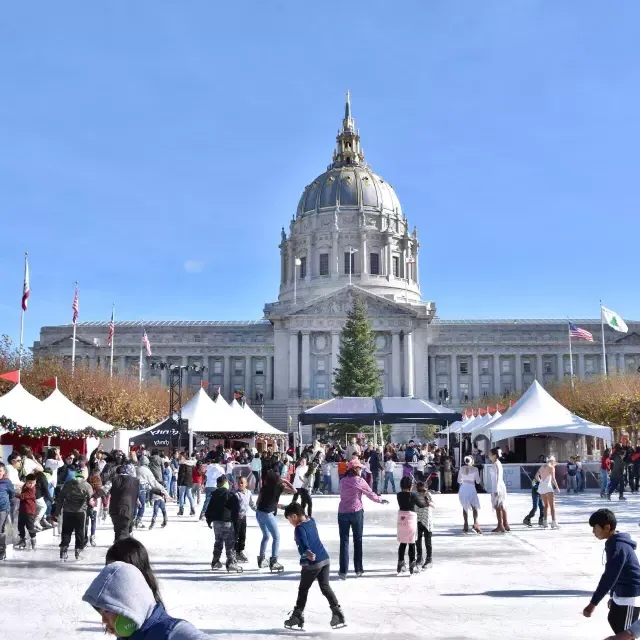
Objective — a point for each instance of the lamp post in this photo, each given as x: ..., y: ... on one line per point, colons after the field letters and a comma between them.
x: 351, y: 252
x: 296, y: 263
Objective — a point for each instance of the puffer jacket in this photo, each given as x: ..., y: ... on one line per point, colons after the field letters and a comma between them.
x: 7, y: 493
x: 74, y: 496
x: 156, y: 466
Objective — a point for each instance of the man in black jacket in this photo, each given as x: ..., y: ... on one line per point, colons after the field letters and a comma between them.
x: 124, y: 503
x: 375, y: 464
x: 185, y: 483
x: 156, y: 465
x: 223, y: 512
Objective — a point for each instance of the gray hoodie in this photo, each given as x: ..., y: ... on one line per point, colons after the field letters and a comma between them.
x: 121, y: 588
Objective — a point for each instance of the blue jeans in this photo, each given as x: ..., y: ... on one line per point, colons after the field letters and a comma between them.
x: 326, y: 483
x: 580, y: 477
x: 158, y: 505
x: 142, y: 497
x: 388, y: 477
x: 346, y: 522
x: 269, y: 527
x: 604, y: 476
x: 185, y: 492
x: 207, y: 497
x: 172, y: 492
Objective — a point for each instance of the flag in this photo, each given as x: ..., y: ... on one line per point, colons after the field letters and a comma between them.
x: 577, y: 332
x: 145, y: 342
x: 204, y: 383
x: 75, y: 306
x: 11, y: 376
x: 25, y: 287
x: 614, y: 320
x: 112, y: 330
x: 50, y: 382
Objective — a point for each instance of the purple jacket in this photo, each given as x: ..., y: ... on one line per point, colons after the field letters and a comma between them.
x: 351, y: 490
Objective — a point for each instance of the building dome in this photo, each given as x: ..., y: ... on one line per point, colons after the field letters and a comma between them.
x: 349, y: 187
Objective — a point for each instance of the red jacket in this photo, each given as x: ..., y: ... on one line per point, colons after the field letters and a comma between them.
x: 605, y: 463
x: 28, y: 501
x: 196, y: 475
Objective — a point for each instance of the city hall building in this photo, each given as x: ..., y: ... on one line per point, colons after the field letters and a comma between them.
x: 349, y: 236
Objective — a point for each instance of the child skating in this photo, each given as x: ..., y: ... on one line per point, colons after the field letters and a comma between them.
x: 425, y: 526
x: 537, y: 505
x: 408, y: 523
x: 222, y: 514
x: 315, y: 564
x: 468, y: 476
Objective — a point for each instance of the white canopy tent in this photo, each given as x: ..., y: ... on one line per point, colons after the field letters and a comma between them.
x: 61, y: 412
x: 254, y: 421
x: 23, y: 409
x: 478, y: 421
x: 537, y: 413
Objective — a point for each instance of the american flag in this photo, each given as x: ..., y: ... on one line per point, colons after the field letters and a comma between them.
x: 145, y: 342
x: 25, y: 287
x: 112, y: 329
x: 577, y: 332
x: 75, y: 306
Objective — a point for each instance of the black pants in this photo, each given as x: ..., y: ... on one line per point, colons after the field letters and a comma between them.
x: 616, y: 483
x: 241, y: 533
x: 307, y: 577
x: 621, y: 617
x: 402, y: 548
x: 374, y: 482
x: 122, y: 526
x: 73, y: 523
x: 634, y: 477
x: 305, y: 500
x: 26, y: 521
x: 422, y: 532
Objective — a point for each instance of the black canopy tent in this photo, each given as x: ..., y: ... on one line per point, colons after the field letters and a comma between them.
x: 165, y: 435
x: 366, y: 411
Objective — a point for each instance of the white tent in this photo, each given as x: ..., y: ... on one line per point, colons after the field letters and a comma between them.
x: 23, y: 409
x: 478, y: 421
x: 61, y: 412
x: 253, y: 421
x: 538, y: 413
x: 454, y: 427
x: 205, y: 415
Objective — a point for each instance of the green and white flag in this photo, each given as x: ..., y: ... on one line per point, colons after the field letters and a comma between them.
x: 614, y: 320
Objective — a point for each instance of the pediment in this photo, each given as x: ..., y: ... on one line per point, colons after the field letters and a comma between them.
x: 632, y: 338
x: 338, y: 303
x: 66, y: 342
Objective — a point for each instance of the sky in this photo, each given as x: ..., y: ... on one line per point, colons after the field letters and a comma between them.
x: 152, y: 150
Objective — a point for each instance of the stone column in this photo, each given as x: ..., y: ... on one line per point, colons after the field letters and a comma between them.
x: 433, y: 387
x: 293, y: 364
x: 475, y: 369
x: 226, y: 378
x: 123, y: 365
x: 518, y: 373
x: 306, y: 364
x: 560, y: 367
x: 580, y: 366
x: 611, y: 364
x: 292, y: 266
x: 389, y: 259
x: 363, y: 252
x: 409, y: 372
x: 335, y: 352
x: 539, y: 368
x: 416, y: 275
x: 248, y: 392
x: 334, y: 261
x: 497, y: 387
x: 454, y: 392
x: 164, y: 375
x: 396, y: 379
x: 185, y: 373
x: 307, y: 276
x: 268, y: 381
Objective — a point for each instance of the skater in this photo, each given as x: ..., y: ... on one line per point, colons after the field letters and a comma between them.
x: 325, y: 487
x: 621, y: 577
x: 351, y: 516
x: 27, y: 512
x: 498, y: 492
x: 198, y: 478
x: 408, y: 523
x: 7, y: 494
x: 148, y: 483
x: 389, y: 469
x: 605, y: 466
x: 546, y: 477
x: 211, y: 474
x: 425, y: 526
x: 121, y: 596
x: 245, y: 501
x: 468, y: 477
x: 124, y: 502
x: 447, y: 472
x: 158, y: 498
x: 72, y: 505
x: 273, y: 486
x: 256, y: 470
x: 616, y: 479
x: 302, y: 481
x: 222, y: 514
x: 537, y: 505
x: 572, y: 475
x: 315, y: 564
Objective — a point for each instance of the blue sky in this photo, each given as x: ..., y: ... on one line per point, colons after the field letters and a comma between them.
x: 152, y: 149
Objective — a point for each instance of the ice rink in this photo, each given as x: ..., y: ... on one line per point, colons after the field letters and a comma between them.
x: 525, y: 584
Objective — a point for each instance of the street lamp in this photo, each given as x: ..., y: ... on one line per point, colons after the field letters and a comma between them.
x: 351, y: 252
x: 296, y: 263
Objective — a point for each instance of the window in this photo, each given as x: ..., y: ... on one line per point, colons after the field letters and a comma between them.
x: 320, y: 364
x: 506, y: 366
x: 464, y: 392
x: 442, y: 365
x: 484, y: 365
x: 443, y: 392
x: 380, y: 364
x: 197, y: 338
x: 396, y: 266
x: 217, y: 367
x: 303, y: 268
x: 547, y: 366
x: 589, y: 365
x: 526, y: 366
x: 259, y: 367
x: 374, y: 264
x: 321, y: 391
x: 349, y: 262
x: 463, y: 367
x: 238, y: 367
x: 324, y: 264
x: 567, y: 366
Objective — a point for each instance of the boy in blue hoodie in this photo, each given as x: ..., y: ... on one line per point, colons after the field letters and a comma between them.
x: 7, y: 494
x: 621, y: 577
x: 314, y: 560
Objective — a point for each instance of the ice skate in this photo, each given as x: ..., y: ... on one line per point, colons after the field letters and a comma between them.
x: 192, y: 512
x: 428, y: 563
x: 296, y: 619
x: 3, y: 554
x: 359, y: 574
x: 544, y: 524
x: 414, y: 568
x: 138, y: 524
x: 180, y: 512
x: 261, y: 562
x: 622, y: 498
x: 233, y: 567
x: 164, y: 522
x: 33, y: 544
x: 343, y: 576
x: 63, y: 554
x: 21, y: 545
x: 527, y: 522
x: 216, y: 564
x: 477, y: 529
x: 337, y: 618
x: 402, y: 567
x: 554, y: 525
x: 274, y: 565
x: 92, y: 541
x: 79, y: 554
x: 104, y: 516
x: 152, y: 523
x: 240, y: 557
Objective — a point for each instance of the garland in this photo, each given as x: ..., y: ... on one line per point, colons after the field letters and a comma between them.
x: 53, y: 432
x: 226, y: 435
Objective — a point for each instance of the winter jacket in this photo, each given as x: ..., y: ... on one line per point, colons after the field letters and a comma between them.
x: 42, y: 487
x: 156, y: 466
x: 374, y: 463
x: 147, y: 479
x: 124, y: 496
x: 7, y: 494
x: 617, y: 465
x: 621, y: 575
x: 185, y: 475
x: 120, y: 588
x: 166, y: 476
x: 74, y: 496
x: 28, y: 500
x: 223, y: 506
x: 65, y: 473
x: 245, y: 502
x: 307, y: 539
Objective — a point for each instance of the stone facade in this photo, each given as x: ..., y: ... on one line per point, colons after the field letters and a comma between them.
x: 349, y: 236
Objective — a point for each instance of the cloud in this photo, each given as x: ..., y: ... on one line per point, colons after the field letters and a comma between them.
x: 193, y: 266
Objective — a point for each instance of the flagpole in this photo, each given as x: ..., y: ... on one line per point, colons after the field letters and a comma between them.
x: 604, y: 349
x: 113, y: 338
x: 22, y: 315
x: 140, y: 366
x: 73, y: 342
x: 570, y: 359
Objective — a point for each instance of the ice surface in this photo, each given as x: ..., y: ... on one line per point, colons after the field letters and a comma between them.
x: 528, y: 584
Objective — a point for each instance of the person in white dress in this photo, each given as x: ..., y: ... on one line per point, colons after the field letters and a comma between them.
x: 498, y: 492
x: 546, y: 476
x: 468, y: 476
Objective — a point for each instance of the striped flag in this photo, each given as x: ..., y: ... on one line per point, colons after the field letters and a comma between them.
x: 25, y: 287
x: 580, y: 334
x: 112, y: 329
x: 145, y: 342
x: 75, y: 306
